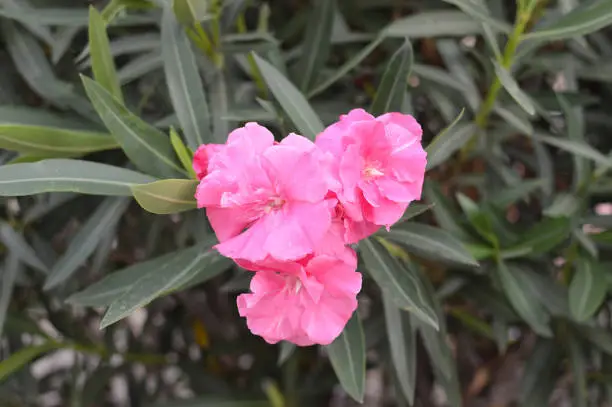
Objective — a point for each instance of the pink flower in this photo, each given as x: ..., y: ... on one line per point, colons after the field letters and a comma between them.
x: 265, y: 199
x: 380, y: 166
x: 305, y: 302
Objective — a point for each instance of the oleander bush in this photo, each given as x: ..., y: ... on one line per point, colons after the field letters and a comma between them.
x: 492, y: 290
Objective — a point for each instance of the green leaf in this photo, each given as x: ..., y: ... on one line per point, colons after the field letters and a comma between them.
x: 478, y: 10
x: 401, y: 285
x: 19, y: 247
x: 11, y: 269
x: 508, y: 196
x: 589, y: 17
x: 85, y: 242
x: 523, y: 303
x: 148, y: 148
x: 61, y: 175
x: 22, y: 357
x: 539, y: 375
x: 600, y: 337
x: 544, y: 236
x: 346, y: 67
x: 286, y: 350
x: 190, y: 11
x: 576, y: 147
x: 450, y: 140
x: 587, y: 290
x: 290, y: 99
x: 157, y: 277
x: 430, y: 242
x: 390, y: 92
x: 167, y: 196
x: 578, y: 363
x: 347, y: 356
x: 184, y: 82
x: 514, y: 89
x: 53, y: 142
x: 317, y: 43
x: 102, y: 63
x: 402, y: 343
x: 434, y: 23
x: 413, y: 211
x: 183, y: 153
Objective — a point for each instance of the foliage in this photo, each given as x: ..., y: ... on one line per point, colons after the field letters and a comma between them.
x: 502, y: 267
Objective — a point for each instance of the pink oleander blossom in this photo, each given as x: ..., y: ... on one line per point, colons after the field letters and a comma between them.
x: 263, y: 198
x: 305, y: 302
x: 379, y: 165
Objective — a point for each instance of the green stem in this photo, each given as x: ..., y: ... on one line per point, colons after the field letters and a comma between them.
x: 523, y: 16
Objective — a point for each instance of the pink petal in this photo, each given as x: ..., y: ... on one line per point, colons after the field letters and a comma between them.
x: 396, y: 191
x: 297, y: 172
x: 404, y: 120
x: 387, y: 213
x: 351, y: 167
x: 296, y: 230
x: 324, y: 321
x: 248, y: 244
x: 226, y: 222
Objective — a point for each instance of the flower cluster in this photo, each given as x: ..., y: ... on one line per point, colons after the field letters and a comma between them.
x: 289, y: 210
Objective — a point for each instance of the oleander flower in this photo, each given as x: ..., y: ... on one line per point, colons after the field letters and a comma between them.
x: 379, y: 165
x: 305, y: 302
x: 263, y: 198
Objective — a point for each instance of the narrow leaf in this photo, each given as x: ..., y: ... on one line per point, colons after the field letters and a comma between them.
x: 479, y: 11
x: 22, y: 357
x: 317, y: 42
x: 347, y: 356
x: 544, y: 236
x: 448, y: 141
x: 183, y: 153
x: 523, y: 303
x: 576, y: 147
x: 434, y: 23
x: 514, y: 89
x: 11, y: 269
x: 19, y: 247
x: 53, y: 142
x: 290, y: 99
x: 102, y: 63
x: 161, y: 276
x: 589, y: 17
x: 401, y: 285
x: 85, y: 242
x: 166, y: 196
x: 346, y: 67
x: 184, y: 82
x: 402, y: 342
x: 390, y: 93
x: 148, y: 148
x: 587, y: 290
x: 430, y: 242
x: 61, y: 175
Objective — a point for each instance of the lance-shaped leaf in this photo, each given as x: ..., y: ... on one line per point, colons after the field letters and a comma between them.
x: 62, y: 175
x: 587, y: 290
x: 400, y: 284
x: 148, y: 148
x: 53, y: 142
x: 390, y: 93
x: 166, y: 196
x: 102, y: 63
x: 83, y: 244
x: 347, y: 356
x: 290, y: 99
x: 317, y: 42
x: 184, y: 83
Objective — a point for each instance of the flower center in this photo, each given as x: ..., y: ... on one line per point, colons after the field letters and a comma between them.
x: 273, y: 204
x: 372, y: 170
x: 293, y: 284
